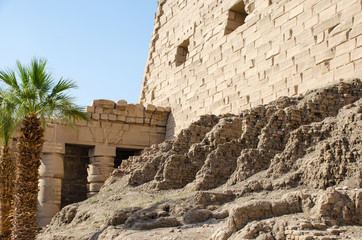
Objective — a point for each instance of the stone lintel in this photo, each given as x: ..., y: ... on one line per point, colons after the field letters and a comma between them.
x: 102, y: 150
x: 53, y: 147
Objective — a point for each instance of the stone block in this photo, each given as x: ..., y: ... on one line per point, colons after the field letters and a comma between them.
x: 328, y: 13
x: 112, y: 117
x: 272, y: 52
x: 150, y: 108
x: 94, y: 187
x: 261, y: 5
x: 121, y: 118
x: 103, y: 103
x: 344, y: 71
x: 102, y: 162
x: 81, y: 123
x: 323, y: 56
x: 139, y: 120
x: 121, y: 104
x: 345, y: 47
x: 99, y: 169
x: 310, y: 23
x: 90, y: 109
x: 46, y: 211
x: 325, y: 25
x: 296, y: 11
x: 53, y: 147
x: 104, y: 116
x: 136, y: 138
x: 94, y: 170
x: 108, y: 110
x: 86, y: 135
x: 359, y: 41
x: 52, y: 165
x: 139, y: 109
x: 95, y: 116
x: 98, y: 110
x: 96, y: 178
x: 356, y: 54
x: 281, y: 20
x: 126, y: 127
x: 49, y: 190
x: 117, y: 126
x: 337, y: 39
x: 105, y: 125
x: 103, y: 150
x: 339, y: 61
x: 130, y: 120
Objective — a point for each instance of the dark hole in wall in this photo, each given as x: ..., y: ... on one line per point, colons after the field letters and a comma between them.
x: 236, y: 17
x: 182, y: 52
x: 124, y: 154
x: 74, y: 184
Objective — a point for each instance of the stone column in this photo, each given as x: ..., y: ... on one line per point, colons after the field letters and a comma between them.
x: 50, y: 184
x: 100, y: 167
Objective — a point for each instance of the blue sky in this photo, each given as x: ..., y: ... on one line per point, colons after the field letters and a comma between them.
x: 102, y: 45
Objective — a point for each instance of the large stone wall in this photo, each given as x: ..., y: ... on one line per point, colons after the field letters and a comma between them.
x: 223, y: 56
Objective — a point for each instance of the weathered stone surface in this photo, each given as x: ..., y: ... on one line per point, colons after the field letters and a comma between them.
x: 120, y: 216
x: 325, y: 208
x: 240, y: 54
x: 197, y: 215
x: 161, y: 222
x: 231, y: 148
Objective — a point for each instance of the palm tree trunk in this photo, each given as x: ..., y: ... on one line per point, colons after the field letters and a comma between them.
x: 30, y: 142
x: 6, y: 191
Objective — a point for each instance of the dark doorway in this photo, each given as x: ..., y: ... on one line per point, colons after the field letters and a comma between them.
x: 124, y: 154
x: 74, y: 184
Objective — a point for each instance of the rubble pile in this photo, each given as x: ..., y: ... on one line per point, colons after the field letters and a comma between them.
x: 315, y: 140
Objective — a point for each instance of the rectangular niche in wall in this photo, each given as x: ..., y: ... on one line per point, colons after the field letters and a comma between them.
x: 236, y: 17
x: 123, y: 154
x: 74, y: 184
x: 182, y: 52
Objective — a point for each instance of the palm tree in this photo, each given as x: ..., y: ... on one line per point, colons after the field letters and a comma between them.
x: 8, y: 123
x: 37, y: 97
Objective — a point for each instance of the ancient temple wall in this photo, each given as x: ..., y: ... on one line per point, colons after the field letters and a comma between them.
x: 223, y: 56
x: 113, y: 126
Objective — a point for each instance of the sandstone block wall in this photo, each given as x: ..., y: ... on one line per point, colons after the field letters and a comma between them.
x: 118, y: 124
x: 113, y: 126
x: 223, y: 56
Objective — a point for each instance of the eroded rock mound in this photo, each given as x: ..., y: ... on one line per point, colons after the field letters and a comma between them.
x: 316, y: 139
x: 329, y: 208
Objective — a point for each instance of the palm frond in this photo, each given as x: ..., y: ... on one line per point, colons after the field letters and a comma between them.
x: 23, y: 74
x: 9, y: 78
x: 39, y: 78
x: 9, y: 119
x: 63, y: 85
